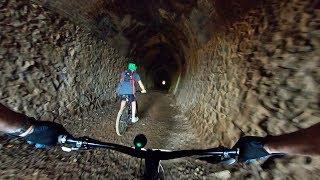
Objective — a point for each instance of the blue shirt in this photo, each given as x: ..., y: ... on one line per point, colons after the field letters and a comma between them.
x: 128, y: 87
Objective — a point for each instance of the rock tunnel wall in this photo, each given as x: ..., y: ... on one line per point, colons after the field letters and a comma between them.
x: 50, y: 68
x: 260, y: 76
x: 211, y: 92
x: 283, y: 76
x: 231, y: 60
x: 251, y: 71
x: 211, y: 95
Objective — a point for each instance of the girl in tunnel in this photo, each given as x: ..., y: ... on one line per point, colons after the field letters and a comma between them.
x: 126, y: 89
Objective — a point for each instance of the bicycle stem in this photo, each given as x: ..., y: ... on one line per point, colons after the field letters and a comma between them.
x: 151, y: 167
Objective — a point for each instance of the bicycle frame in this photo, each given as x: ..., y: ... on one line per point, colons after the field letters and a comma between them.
x: 152, y: 157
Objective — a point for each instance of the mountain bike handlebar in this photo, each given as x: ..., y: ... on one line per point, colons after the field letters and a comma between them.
x: 88, y: 143
x: 152, y: 156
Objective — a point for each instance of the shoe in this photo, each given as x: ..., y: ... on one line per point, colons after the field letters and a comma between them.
x: 136, y: 119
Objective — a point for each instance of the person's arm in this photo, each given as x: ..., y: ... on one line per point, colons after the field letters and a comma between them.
x: 137, y: 78
x: 40, y: 133
x: 143, y: 90
x: 302, y: 142
x: 14, y: 123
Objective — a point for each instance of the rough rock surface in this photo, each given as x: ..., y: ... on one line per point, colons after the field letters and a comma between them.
x: 50, y: 68
x: 258, y: 77
x: 248, y: 69
x: 157, y: 122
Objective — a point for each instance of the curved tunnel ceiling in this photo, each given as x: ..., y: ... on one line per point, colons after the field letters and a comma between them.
x: 155, y: 41
x: 155, y: 30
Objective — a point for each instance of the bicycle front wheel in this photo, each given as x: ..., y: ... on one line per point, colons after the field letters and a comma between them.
x: 122, y: 122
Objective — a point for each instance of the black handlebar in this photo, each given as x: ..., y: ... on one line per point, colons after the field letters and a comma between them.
x: 152, y: 156
x: 88, y: 143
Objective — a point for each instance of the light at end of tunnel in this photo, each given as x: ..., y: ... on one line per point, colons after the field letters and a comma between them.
x: 163, y: 82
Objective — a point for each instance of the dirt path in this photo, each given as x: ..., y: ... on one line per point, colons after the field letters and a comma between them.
x: 160, y: 121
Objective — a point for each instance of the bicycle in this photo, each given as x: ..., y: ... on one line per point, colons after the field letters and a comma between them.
x: 125, y: 119
x: 152, y: 157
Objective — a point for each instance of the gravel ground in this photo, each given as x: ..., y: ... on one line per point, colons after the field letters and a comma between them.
x: 164, y: 126
x: 160, y: 122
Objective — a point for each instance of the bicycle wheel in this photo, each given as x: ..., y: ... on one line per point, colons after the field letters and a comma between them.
x: 122, y: 122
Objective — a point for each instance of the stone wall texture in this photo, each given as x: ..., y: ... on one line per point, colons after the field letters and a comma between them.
x: 259, y: 77
x: 250, y: 68
x: 50, y: 68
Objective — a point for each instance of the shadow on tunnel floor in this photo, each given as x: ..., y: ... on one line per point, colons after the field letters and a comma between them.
x: 144, y: 103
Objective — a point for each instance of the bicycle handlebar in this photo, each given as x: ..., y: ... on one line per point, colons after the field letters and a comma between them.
x: 152, y: 157
x: 88, y: 143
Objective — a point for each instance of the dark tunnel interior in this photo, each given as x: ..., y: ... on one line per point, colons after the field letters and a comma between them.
x: 161, y: 79
x: 154, y: 41
x: 160, y: 59
x: 157, y: 44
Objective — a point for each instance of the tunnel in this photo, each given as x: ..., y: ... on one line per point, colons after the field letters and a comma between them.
x: 158, y: 51
x: 214, y: 71
x: 162, y: 64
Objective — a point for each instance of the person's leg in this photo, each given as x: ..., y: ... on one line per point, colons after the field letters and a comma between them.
x: 122, y: 105
x: 134, y: 109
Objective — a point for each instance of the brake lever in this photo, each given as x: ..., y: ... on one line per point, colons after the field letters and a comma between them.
x: 70, y: 144
x: 226, y: 158
x: 73, y: 144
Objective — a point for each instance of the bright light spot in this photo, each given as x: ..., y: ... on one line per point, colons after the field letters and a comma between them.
x: 139, y: 145
x: 163, y: 82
